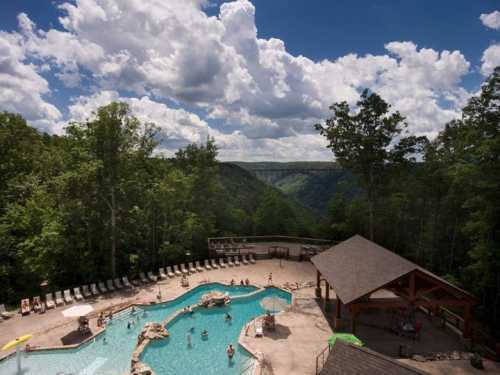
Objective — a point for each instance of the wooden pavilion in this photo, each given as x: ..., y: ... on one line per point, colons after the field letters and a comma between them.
x: 357, y: 268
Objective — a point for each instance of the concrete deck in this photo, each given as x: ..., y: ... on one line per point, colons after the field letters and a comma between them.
x: 301, y: 334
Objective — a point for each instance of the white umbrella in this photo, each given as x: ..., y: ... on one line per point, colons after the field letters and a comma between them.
x: 77, y: 311
x: 274, y: 304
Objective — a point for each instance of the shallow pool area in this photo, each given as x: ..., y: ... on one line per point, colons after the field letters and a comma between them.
x: 110, y: 352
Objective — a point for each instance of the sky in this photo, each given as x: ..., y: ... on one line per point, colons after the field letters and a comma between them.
x: 254, y: 75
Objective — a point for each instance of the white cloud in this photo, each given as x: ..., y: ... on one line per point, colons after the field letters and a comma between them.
x: 22, y: 88
x: 490, y: 59
x: 491, y: 20
x: 264, y: 97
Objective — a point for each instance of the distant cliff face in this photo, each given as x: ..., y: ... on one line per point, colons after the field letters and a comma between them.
x: 311, y: 183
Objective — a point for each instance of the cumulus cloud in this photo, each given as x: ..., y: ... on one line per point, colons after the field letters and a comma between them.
x: 490, y: 59
x: 22, y: 88
x: 262, y: 98
x: 491, y: 20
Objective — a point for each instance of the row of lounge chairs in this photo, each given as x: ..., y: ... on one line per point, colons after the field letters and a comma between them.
x: 87, y: 291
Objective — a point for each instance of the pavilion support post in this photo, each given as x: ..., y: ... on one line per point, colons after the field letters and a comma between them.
x: 327, y: 294
x: 318, y: 284
x: 354, y: 314
x: 412, y: 291
x: 338, y: 309
x: 467, y: 322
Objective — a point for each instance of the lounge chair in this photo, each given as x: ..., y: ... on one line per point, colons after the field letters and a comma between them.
x: 230, y: 262
x: 244, y: 260
x: 198, y: 266
x: 191, y: 267
x: 214, y: 265
x: 110, y: 286
x: 237, y: 261
x: 221, y: 263
x: 143, y: 278
x: 102, y: 287
x: 152, y: 277
x: 176, y: 270
x: 184, y: 269
x: 169, y: 272
x: 67, y: 296
x: 94, y: 289
x: 25, y: 306
x: 118, y: 283
x: 78, y: 294
x: 207, y: 265
x: 86, y: 292
x: 37, y: 304
x: 59, y: 298
x: 126, y: 283
x: 251, y: 258
x: 161, y: 273
x: 259, y: 332
x: 4, y: 313
x: 49, y: 301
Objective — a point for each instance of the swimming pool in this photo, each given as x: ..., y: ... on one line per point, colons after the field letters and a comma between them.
x: 111, y: 352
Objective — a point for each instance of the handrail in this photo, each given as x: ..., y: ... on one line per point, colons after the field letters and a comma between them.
x: 322, y: 355
x: 246, y: 238
x: 251, y: 365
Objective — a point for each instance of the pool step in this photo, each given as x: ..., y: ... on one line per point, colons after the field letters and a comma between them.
x: 94, y: 366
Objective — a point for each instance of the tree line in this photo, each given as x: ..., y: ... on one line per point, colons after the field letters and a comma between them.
x: 100, y: 202
x: 437, y: 201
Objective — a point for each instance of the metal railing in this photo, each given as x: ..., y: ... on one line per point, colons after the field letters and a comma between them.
x: 321, y: 358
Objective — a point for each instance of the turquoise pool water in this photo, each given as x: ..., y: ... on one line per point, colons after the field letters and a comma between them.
x: 111, y: 352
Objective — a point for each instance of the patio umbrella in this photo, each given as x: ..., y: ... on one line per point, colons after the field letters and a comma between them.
x: 77, y: 311
x: 348, y: 337
x: 15, y: 344
x: 274, y: 304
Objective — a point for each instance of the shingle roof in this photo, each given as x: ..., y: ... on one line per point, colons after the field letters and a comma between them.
x: 357, y: 266
x: 347, y: 359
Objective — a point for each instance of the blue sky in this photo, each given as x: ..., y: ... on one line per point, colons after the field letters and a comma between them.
x: 254, y: 75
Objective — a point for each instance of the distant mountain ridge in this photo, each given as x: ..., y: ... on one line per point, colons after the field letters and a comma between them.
x: 312, y: 183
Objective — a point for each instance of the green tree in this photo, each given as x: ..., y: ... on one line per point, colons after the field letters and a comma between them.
x: 364, y: 141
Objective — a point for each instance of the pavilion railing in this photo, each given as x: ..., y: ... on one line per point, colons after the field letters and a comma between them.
x: 273, y: 238
x: 321, y: 359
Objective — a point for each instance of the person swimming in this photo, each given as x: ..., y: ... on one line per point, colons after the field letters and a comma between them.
x: 204, y: 334
x: 228, y: 317
x: 133, y: 310
x: 129, y: 324
x: 189, y: 338
x: 230, y: 351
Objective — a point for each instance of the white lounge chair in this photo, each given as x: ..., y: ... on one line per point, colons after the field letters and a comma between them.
x: 49, y: 301
x: 221, y: 263
x: 86, y: 292
x: 207, y: 265
x: 59, y: 298
x: 237, y: 261
x: 198, y: 266
x: 176, y: 270
x: 143, y: 278
x: 118, y: 283
x: 6, y: 314
x: 214, y: 265
x: 67, y: 296
x: 109, y: 284
x: 251, y: 258
x: 126, y: 283
x: 102, y: 287
x: 161, y: 273
x: 230, y: 262
x: 78, y: 294
x: 152, y: 277
x: 169, y: 272
x: 184, y: 269
x: 244, y: 260
x: 259, y: 332
x: 191, y: 267
x: 94, y: 289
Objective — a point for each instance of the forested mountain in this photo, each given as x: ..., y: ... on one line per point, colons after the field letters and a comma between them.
x: 97, y: 203
x: 312, y: 184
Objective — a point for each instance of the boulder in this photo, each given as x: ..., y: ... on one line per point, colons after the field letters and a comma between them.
x: 141, y: 369
x: 152, y: 331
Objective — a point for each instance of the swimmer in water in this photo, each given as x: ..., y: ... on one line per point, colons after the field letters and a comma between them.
x: 230, y: 351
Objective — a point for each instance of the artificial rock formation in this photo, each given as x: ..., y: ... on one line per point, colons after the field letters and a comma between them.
x: 151, y: 331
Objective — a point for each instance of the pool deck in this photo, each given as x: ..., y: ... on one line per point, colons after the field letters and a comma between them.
x: 301, y: 334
